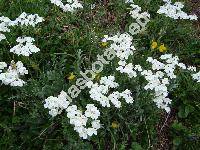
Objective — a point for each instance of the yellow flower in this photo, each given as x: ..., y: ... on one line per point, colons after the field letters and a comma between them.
x: 154, y: 45
x: 115, y: 124
x: 104, y: 44
x: 162, y: 48
x: 71, y: 77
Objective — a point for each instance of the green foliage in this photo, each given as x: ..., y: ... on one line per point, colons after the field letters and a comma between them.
x: 69, y: 42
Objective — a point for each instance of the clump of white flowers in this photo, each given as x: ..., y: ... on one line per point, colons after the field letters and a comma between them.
x: 126, y: 68
x: 23, y: 19
x: 26, y: 19
x: 4, y: 24
x: 56, y: 105
x: 12, y: 75
x: 2, y: 37
x: 136, y: 11
x: 100, y: 92
x: 25, y: 46
x: 122, y: 45
x: 71, y: 5
x: 160, y: 77
x: 2, y: 66
x: 175, y: 11
x: 80, y: 120
x: 196, y: 76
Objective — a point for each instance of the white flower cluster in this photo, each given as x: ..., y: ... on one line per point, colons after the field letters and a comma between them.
x: 26, y: 19
x: 12, y: 74
x: 158, y: 83
x: 160, y: 76
x: 128, y: 68
x: 23, y: 19
x: 174, y: 11
x: 99, y: 92
x: 136, y: 11
x: 4, y: 24
x: 25, y: 46
x: 122, y: 45
x: 57, y: 104
x: 196, y: 76
x: 2, y: 66
x: 80, y: 120
x: 70, y: 6
x: 2, y: 37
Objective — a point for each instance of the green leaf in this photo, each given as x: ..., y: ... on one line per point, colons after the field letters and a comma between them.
x: 189, y: 109
x: 178, y: 126
x: 177, y: 141
x: 136, y: 146
x: 184, y: 111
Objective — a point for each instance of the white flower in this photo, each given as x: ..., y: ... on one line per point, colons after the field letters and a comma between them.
x: 109, y: 81
x: 96, y: 124
x: 91, y: 131
x: 122, y: 63
x: 99, y: 92
x: 182, y: 66
x: 80, y: 121
x: 26, y: 19
x: 136, y: 11
x: 57, y: 104
x: 166, y: 56
x: 13, y: 73
x: 25, y: 46
x: 53, y: 112
x: 2, y: 66
x: 127, y: 96
x: 174, y: 11
x: 4, y: 24
x: 138, y: 68
x: 129, y: 1
x: 122, y: 45
x: 92, y: 111
x: 114, y: 98
x: 196, y: 76
x: 70, y: 6
x: 127, y: 69
x: 82, y: 132
x: 192, y: 68
x: 23, y: 19
x: 2, y: 37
